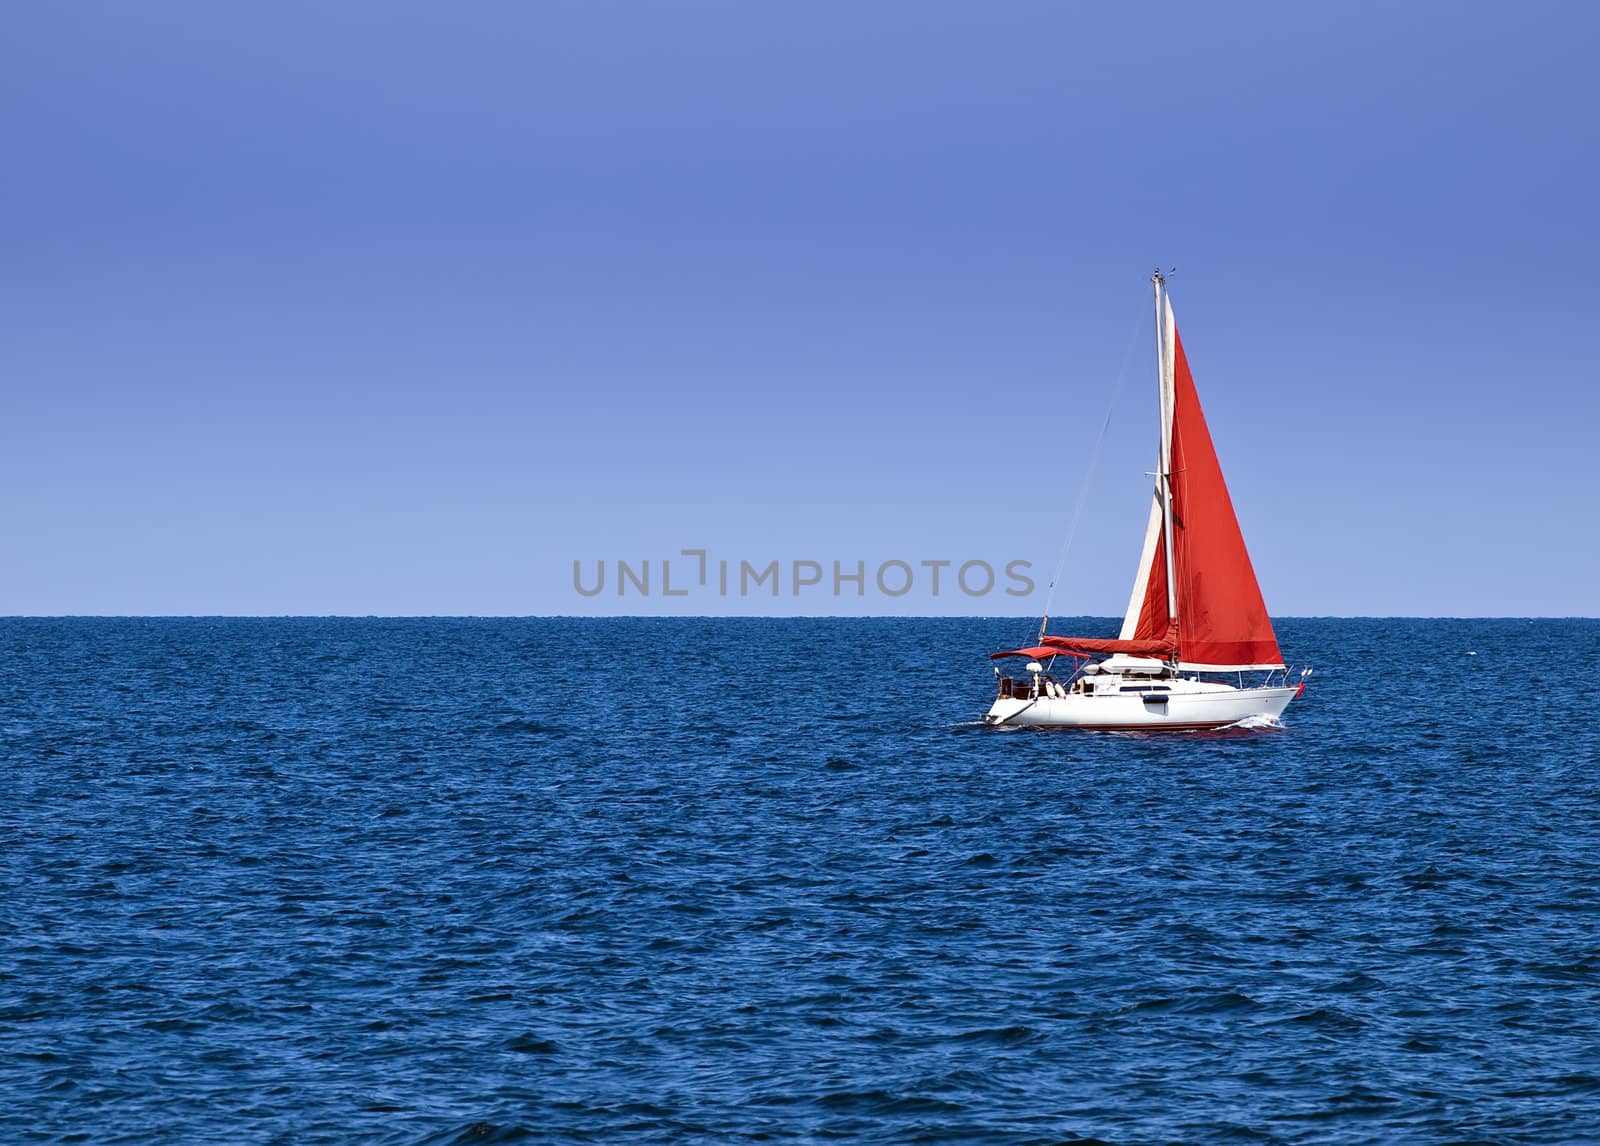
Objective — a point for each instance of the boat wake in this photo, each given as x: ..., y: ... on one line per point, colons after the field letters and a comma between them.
x: 1254, y: 721
x: 1258, y: 720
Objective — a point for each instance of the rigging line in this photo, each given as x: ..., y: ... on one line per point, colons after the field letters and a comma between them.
x: 1019, y: 712
x: 1088, y: 477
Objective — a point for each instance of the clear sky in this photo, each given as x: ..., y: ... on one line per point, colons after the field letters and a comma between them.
x: 400, y: 308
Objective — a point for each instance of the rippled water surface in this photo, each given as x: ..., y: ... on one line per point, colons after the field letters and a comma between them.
x: 720, y: 880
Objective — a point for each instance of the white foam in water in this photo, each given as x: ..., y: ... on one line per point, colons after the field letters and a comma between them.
x: 1257, y: 720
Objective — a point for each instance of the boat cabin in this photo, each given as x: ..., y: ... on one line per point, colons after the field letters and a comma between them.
x: 1114, y: 676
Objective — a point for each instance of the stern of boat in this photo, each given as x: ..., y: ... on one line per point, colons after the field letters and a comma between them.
x: 1004, y: 709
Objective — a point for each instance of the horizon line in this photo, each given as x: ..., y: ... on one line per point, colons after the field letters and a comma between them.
x: 741, y: 617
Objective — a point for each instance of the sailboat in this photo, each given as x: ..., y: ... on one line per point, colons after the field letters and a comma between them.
x: 1196, y: 623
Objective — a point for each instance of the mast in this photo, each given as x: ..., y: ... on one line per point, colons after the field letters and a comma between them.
x: 1164, y: 366
x: 1225, y: 626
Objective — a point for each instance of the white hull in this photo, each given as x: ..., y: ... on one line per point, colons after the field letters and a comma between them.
x: 1207, y: 706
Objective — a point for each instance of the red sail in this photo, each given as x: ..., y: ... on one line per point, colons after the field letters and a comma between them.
x: 1074, y: 645
x: 1222, y: 620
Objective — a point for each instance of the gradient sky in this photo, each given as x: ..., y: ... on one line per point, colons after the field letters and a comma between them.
x: 389, y: 308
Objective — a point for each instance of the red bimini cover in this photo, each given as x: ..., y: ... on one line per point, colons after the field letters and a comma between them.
x: 1039, y: 652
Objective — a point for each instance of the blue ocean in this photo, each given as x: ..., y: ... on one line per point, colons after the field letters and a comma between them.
x: 473, y: 881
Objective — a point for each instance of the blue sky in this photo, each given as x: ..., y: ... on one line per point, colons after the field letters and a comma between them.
x: 395, y: 308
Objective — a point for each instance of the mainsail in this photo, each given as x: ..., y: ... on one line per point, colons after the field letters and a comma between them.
x: 1195, y: 598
